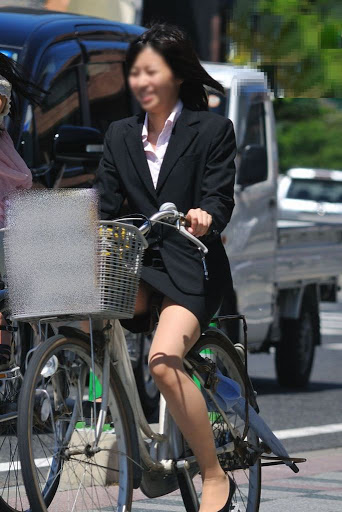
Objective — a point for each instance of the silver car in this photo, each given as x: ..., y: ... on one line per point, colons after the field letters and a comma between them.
x: 310, y: 195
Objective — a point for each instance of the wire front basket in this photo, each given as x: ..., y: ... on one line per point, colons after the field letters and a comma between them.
x: 120, y: 252
x: 62, y: 261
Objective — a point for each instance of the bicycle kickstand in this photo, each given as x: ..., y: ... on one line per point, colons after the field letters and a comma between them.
x: 182, y: 469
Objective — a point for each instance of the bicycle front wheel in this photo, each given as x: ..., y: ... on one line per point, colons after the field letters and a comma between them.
x: 215, y: 346
x: 68, y: 462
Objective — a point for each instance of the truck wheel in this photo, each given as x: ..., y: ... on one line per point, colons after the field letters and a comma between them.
x: 296, y: 349
x: 148, y: 391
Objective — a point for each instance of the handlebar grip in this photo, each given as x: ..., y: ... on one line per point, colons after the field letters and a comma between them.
x: 185, y: 222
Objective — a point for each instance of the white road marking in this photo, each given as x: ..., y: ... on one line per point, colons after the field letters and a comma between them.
x: 292, y: 433
x: 331, y: 332
x: 156, y: 506
x: 15, y: 465
x: 332, y: 346
x: 331, y: 323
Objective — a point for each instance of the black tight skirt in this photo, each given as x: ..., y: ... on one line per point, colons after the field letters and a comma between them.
x: 155, y: 274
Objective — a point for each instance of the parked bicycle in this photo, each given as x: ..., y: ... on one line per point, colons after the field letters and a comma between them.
x: 84, y: 441
x: 12, y: 492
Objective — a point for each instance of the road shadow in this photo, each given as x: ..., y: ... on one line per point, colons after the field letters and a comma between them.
x: 270, y: 386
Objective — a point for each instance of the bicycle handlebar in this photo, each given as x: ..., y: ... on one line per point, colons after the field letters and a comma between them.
x: 168, y: 211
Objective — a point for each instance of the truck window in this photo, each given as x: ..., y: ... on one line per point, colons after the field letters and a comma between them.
x: 252, y: 126
x: 59, y: 76
x: 255, y: 126
x: 107, y: 92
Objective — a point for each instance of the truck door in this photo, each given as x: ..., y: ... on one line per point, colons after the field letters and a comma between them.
x: 251, y: 234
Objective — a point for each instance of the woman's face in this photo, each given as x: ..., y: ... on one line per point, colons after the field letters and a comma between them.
x: 153, y: 83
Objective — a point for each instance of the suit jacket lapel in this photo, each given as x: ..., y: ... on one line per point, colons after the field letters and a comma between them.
x: 137, y: 154
x: 182, y: 136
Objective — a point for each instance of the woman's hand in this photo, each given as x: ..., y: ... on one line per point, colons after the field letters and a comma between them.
x: 200, y: 221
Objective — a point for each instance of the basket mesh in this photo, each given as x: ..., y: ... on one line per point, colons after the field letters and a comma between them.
x: 59, y: 261
x: 120, y: 253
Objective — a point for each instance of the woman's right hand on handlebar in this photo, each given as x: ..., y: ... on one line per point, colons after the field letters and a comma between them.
x: 199, y: 220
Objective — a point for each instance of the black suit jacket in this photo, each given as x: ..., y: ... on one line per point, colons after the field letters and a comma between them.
x: 197, y: 172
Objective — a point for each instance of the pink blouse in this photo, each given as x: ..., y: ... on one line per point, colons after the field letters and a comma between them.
x: 14, y: 173
x: 155, y: 158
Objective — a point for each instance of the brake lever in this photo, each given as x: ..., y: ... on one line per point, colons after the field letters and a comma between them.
x: 193, y: 239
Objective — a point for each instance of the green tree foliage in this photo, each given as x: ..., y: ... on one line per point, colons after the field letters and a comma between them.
x: 299, y: 39
x: 309, y: 133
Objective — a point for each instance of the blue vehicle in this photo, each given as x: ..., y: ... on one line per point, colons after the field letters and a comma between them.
x: 79, y: 61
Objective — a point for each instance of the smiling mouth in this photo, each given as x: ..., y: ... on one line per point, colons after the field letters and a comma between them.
x: 146, y: 98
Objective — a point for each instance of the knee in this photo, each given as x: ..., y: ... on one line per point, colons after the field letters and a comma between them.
x: 164, y: 370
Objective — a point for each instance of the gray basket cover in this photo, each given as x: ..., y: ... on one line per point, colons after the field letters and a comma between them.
x: 50, y: 252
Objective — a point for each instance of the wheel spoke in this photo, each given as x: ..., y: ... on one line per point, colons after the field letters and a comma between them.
x: 247, y: 479
x: 76, y: 475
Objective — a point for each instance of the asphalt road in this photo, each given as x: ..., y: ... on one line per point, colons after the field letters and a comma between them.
x: 318, y: 404
x: 318, y: 486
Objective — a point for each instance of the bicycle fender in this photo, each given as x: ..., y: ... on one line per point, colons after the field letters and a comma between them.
x: 214, y: 332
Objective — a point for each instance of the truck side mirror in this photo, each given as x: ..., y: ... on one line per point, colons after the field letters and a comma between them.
x: 253, y: 165
x: 77, y: 145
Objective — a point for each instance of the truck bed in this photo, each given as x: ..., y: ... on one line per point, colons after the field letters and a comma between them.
x: 307, y: 251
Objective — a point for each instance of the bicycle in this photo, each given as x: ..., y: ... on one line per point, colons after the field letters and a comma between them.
x: 84, y: 441
x: 12, y: 492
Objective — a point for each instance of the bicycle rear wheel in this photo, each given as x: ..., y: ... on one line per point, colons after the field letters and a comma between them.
x: 216, y: 346
x: 12, y: 491
x: 63, y: 468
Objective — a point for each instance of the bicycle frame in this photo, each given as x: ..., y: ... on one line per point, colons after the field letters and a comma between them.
x: 164, y: 446
x: 166, y: 443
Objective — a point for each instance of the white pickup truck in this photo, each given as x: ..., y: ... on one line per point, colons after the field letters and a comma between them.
x: 278, y: 267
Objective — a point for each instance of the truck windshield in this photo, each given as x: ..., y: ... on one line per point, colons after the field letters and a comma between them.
x: 321, y: 191
x: 9, y: 52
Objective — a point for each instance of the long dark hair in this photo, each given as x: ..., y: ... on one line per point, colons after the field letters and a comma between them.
x: 176, y: 48
x: 21, y: 86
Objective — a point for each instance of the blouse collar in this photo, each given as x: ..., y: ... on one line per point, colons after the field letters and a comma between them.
x: 170, y: 121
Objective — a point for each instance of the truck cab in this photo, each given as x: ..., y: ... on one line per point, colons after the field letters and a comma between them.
x: 250, y: 238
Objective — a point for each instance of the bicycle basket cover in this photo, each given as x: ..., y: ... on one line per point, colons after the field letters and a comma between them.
x: 50, y: 252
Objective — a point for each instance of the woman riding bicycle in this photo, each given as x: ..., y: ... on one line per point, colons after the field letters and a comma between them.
x: 14, y: 174
x: 176, y: 151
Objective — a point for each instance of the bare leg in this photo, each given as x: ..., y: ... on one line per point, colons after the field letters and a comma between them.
x: 142, y: 304
x: 178, y: 330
